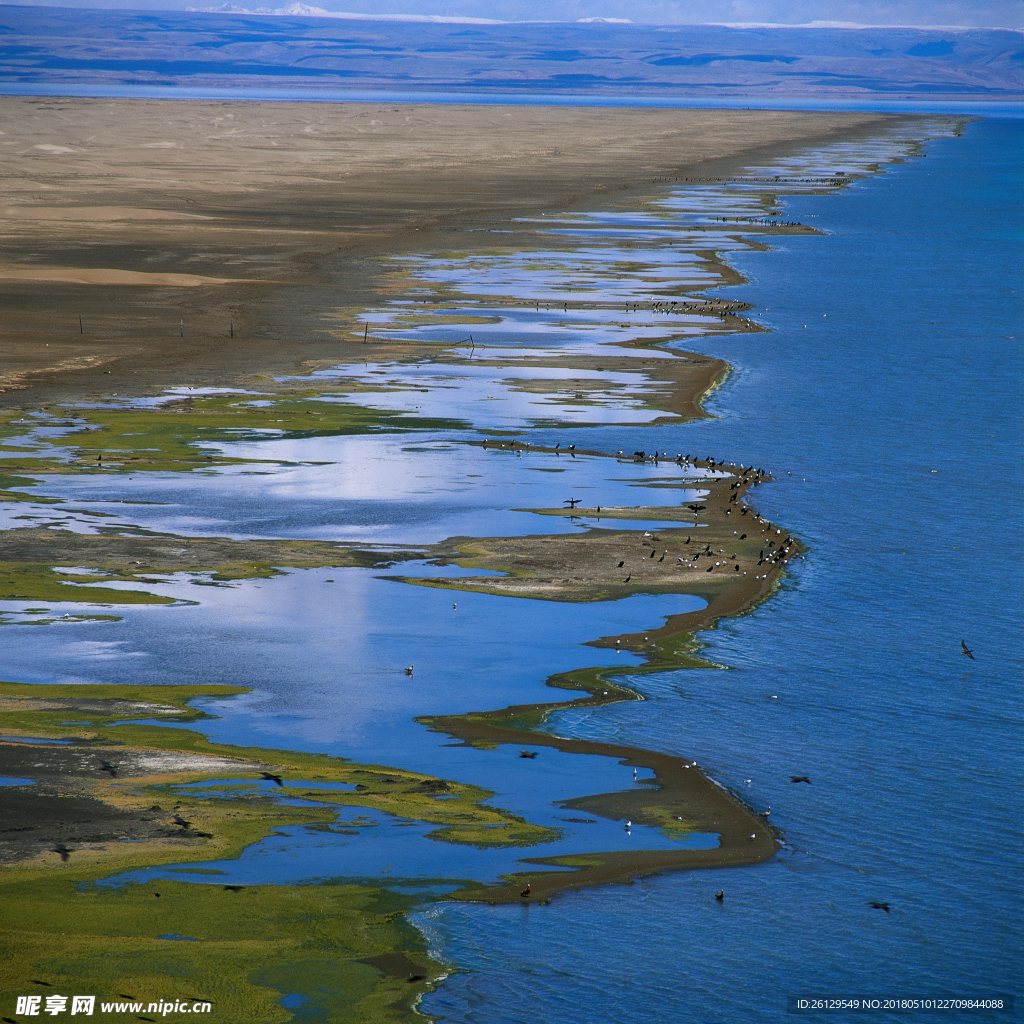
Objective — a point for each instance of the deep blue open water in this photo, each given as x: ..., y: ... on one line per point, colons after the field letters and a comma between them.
x: 897, y: 409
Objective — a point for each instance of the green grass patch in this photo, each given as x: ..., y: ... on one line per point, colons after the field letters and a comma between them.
x: 251, y: 948
x: 33, y: 581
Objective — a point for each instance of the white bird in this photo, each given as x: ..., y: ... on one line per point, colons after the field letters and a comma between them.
x: 627, y: 825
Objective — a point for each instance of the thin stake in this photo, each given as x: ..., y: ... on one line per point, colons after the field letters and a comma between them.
x: 182, y: 326
x: 232, y: 328
x: 366, y: 328
x: 81, y: 329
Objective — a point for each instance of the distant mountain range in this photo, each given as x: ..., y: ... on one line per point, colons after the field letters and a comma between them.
x: 303, y: 47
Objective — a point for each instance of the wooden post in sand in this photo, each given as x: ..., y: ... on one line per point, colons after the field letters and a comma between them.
x: 81, y: 329
x: 182, y: 327
x: 232, y: 328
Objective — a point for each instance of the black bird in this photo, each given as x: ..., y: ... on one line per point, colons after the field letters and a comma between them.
x: 233, y: 888
x: 720, y: 896
x: 662, y: 559
x: 270, y: 777
x: 799, y: 778
x: 620, y: 565
x: 528, y: 753
x: 697, y: 508
x: 179, y: 820
x: 106, y: 766
x: 572, y: 502
x: 572, y: 447
x: 63, y: 851
x: 556, y: 446
x: 880, y: 906
x: 964, y: 649
x: 743, y: 536
x: 627, y: 579
x: 654, y: 551
x: 687, y: 541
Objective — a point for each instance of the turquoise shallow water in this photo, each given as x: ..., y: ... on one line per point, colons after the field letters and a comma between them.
x: 885, y: 400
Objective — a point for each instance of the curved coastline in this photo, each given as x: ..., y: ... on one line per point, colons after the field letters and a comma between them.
x: 680, y: 788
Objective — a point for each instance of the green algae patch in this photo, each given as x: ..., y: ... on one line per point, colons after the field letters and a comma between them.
x: 12, y: 489
x: 189, y: 433
x: 30, y: 581
x: 150, y: 763
x: 251, y: 947
x: 29, y: 555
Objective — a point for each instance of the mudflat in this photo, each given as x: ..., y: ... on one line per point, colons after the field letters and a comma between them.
x: 200, y: 242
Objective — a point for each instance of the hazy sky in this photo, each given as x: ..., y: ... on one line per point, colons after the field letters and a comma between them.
x: 924, y: 13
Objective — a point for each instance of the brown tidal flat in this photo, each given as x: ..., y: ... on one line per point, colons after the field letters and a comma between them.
x: 138, y: 215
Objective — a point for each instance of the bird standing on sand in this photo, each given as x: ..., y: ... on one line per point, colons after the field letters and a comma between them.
x: 270, y: 777
x: 526, y: 891
x: 964, y: 649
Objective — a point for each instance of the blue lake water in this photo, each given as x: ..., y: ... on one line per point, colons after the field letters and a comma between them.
x: 898, y: 414
x: 884, y: 398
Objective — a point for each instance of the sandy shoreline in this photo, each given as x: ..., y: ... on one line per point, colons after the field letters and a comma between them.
x: 312, y: 196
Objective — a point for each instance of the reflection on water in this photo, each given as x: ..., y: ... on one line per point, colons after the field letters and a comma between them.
x: 823, y: 679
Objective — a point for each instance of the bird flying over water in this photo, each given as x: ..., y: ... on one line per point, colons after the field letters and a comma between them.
x: 880, y: 906
x: 528, y: 753
x: 270, y: 777
x: 964, y: 649
x: 799, y: 778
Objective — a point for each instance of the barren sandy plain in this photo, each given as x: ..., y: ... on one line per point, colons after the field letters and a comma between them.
x: 153, y: 219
